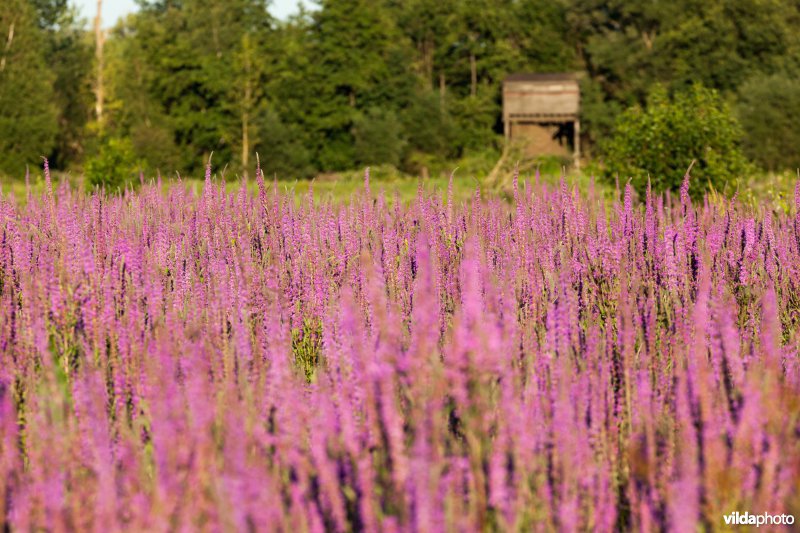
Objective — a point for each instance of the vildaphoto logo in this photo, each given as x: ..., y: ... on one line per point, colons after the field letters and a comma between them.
x: 763, y: 519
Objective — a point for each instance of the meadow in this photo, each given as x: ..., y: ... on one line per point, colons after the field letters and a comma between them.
x: 228, y: 357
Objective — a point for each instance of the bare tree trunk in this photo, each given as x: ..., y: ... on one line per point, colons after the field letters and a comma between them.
x: 7, y: 47
x: 99, y: 38
x: 648, y: 38
x: 248, y: 95
x: 442, y: 91
x: 427, y: 60
x: 245, y: 141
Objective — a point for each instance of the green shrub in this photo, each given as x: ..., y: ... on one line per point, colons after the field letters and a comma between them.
x: 335, y: 151
x: 154, y: 145
x: 663, y: 139
x: 769, y: 110
x: 113, y: 166
x: 307, y: 347
x: 476, y: 119
x: 429, y: 126
x: 282, y: 147
x: 378, y: 138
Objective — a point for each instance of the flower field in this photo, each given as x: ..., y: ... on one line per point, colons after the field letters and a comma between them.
x: 216, y: 361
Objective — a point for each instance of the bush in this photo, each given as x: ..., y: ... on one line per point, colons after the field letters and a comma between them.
x: 429, y: 126
x: 598, y: 113
x: 282, y: 147
x: 153, y: 145
x: 378, y: 138
x: 477, y: 117
x: 662, y: 139
x: 113, y: 166
x: 769, y: 109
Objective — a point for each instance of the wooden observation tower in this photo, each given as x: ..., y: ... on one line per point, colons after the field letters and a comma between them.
x: 544, y: 110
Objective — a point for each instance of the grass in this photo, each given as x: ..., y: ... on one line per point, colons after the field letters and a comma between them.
x: 774, y: 189
x: 334, y: 187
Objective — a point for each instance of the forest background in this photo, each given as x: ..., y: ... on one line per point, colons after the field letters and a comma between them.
x: 412, y: 85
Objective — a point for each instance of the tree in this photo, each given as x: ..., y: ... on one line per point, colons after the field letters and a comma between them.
x: 540, y: 34
x: 182, y: 78
x: 188, y: 71
x: 49, y: 13
x: 114, y: 166
x: 429, y: 125
x: 27, y: 113
x: 69, y: 56
x: 378, y: 138
x: 99, y: 42
x: 769, y: 110
x: 285, y: 129
x: 67, y: 53
x: 359, y: 60
x: 627, y: 47
x: 464, y: 49
x: 430, y: 26
x: 660, y: 141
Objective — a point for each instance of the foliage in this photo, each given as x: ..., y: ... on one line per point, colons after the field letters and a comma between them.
x: 45, y: 84
x: 186, y: 68
x: 360, y: 69
x: 718, y: 44
x: 320, y: 74
x: 659, y: 142
x: 306, y: 348
x: 282, y: 147
x: 70, y: 57
x: 598, y: 113
x: 27, y: 111
x: 378, y: 138
x: 769, y: 110
x: 185, y: 78
x: 114, y: 166
x: 49, y: 13
x: 175, y: 359
x: 628, y: 47
x: 476, y: 120
x: 429, y: 126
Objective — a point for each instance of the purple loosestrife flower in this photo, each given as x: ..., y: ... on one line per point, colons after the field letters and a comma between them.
x: 686, y: 201
x: 325, y: 470
x: 9, y: 450
x: 771, y: 331
x: 450, y: 201
x: 650, y: 220
x: 479, y: 365
x: 684, y: 503
x: 426, y: 322
x: 628, y: 212
x: 90, y: 402
x: 797, y: 200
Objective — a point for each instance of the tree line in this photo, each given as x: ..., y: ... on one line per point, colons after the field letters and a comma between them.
x: 358, y: 82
